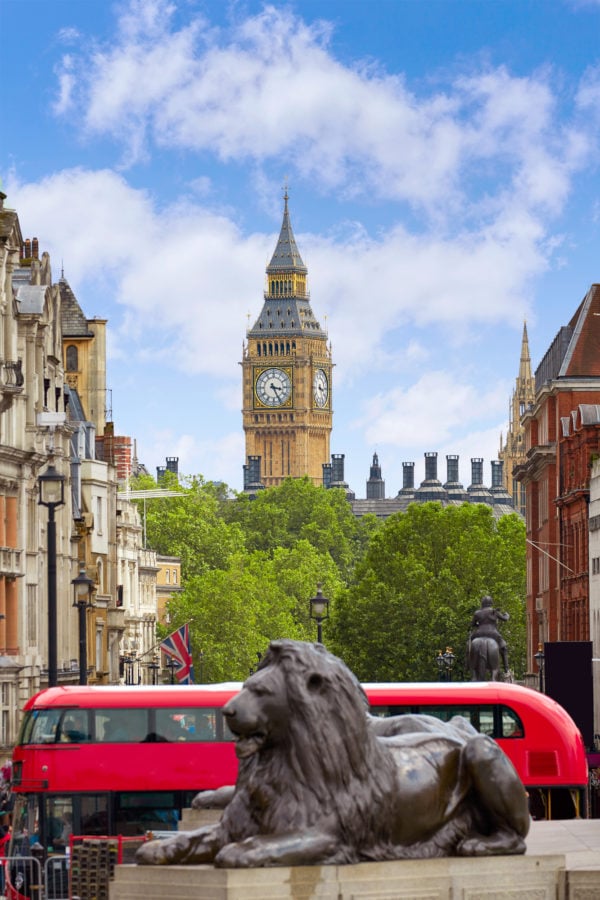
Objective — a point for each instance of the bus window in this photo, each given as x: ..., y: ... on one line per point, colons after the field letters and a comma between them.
x: 40, y: 727
x: 75, y: 726
x: 137, y: 813
x: 58, y: 811
x: 481, y: 717
x: 200, y: 724
x: 170, y: 726
x: 384, y: 712
x: 92, y: 813
x: 188, y: 724
x: 512, y: 727
x: 121, y: 725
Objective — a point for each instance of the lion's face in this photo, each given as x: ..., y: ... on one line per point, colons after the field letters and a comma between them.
x: 258, y: 715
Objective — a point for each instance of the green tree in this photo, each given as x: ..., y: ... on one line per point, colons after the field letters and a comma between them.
x: 420, y: 581
x: 190, y: 525
x: 260, y: 596
x: 299, y: 510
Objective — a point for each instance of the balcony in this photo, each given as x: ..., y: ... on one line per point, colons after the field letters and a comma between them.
x: 10, y: 562
x: 11, y: 382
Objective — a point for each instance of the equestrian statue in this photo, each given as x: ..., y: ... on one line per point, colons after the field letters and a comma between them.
x: 486, y: 646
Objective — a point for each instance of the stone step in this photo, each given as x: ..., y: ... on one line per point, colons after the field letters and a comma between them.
x: 490, y: 878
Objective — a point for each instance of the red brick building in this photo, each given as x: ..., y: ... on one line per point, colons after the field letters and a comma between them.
x: 562, y: 437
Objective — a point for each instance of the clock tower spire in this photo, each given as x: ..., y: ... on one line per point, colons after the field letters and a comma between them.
x: 287, y: 413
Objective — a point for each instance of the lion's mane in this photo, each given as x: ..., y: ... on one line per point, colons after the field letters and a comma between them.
x: 330, y: 765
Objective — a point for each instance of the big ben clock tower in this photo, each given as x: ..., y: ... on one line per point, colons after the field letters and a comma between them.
x: 286, y: 375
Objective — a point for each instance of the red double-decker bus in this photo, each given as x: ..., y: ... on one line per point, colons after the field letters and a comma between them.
x: 126, y: 760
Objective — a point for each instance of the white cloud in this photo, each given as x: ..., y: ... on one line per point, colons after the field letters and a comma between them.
x: 214, y: 459
x: 196, y: 277
x: 271, y: 88
x: 429, y: 411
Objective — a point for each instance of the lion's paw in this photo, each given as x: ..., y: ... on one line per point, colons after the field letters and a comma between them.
x: 496, y: 845
x: 162, y: 852
x: 240, y: 856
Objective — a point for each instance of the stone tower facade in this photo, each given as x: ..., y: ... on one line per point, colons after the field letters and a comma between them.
x: 287, y: 384
x: 512, y: 451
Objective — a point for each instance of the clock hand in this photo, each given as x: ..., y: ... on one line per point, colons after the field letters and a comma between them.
x: 274, y: 387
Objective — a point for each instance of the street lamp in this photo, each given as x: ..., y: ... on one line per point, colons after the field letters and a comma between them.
x: 319, y: 611
x: 539, y: 658
x: 128, y: 666
x: 153, y: 666
x: 51, y: 486
x: 82, y: 588
x: 445, y: 662
x: 171, y: 664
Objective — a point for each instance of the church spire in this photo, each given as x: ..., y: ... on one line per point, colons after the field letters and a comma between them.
x: 286, y: 310
x: 286, y: 257
x: 525, y: 363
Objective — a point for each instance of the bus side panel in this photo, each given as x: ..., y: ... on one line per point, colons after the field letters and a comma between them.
x: 163, y: 766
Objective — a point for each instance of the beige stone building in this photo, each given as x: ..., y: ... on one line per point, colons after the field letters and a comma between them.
x: 34, y: 432
x: 53, y: 411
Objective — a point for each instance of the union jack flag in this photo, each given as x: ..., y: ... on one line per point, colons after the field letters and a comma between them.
x: 177, y: 647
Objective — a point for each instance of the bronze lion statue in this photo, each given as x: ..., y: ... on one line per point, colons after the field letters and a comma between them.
x: 321, y: 781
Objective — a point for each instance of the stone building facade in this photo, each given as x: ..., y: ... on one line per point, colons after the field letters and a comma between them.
x: 562, y: 431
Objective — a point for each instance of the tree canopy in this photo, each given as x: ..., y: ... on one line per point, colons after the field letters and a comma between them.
x: 421, y: 580
x: 400, y: 590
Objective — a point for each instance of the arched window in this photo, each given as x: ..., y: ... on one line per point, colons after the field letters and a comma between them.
x: 72, y: 358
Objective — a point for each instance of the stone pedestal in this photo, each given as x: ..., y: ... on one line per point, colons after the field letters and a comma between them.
x: 491, y: 878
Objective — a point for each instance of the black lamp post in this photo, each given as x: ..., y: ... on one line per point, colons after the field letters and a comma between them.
x: 51, y: 495
x: 82, y: 587
x: 539, y: 658
x: 319, y: 611
x: 153, y: 666
x: 128, y: 664
x: 171, y: 666
x: 445, y: 663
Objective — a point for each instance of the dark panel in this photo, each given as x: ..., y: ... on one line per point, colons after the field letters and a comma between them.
x: 568, y: 675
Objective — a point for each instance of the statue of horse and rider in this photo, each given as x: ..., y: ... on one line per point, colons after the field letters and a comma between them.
x: 486, y: 646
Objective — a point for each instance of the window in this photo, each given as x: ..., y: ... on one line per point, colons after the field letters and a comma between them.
x: 121, y: 725
x: 174, y: 576
x: 493, y: 720
x: 72, y: 358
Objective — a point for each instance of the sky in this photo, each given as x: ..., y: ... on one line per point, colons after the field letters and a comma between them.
x: 441, y: 159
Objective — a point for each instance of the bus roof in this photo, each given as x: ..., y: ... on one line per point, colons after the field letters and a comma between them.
x: 91, y: 696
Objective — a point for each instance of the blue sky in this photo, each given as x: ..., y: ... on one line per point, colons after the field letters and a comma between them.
x: 441, y: 158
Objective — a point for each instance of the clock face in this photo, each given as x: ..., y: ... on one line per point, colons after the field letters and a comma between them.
x: 320, y: 388
x: 273, y: 387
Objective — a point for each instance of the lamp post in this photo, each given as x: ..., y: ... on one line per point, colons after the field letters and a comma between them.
x: 128, y: 664
x: 445, y: 662
x: 171, y: 666
x: 539, y: 658
x: 153, y: 666
x: 51, y: 486
x: 82, y: 587
x: 319, y: 611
